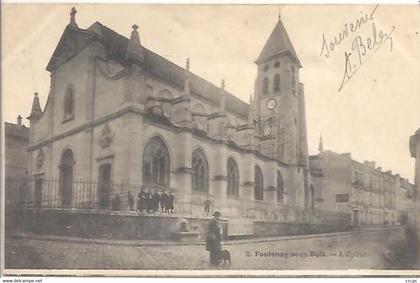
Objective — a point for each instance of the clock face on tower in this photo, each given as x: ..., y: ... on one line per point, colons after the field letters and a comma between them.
x: 271, y: 104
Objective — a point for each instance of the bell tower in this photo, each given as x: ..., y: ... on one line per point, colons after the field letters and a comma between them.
x: 279, y: 99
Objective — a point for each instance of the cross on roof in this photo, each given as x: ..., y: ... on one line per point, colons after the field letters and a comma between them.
x: 73, y: 16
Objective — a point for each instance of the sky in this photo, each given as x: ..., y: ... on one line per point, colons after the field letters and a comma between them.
x: 372, y: 116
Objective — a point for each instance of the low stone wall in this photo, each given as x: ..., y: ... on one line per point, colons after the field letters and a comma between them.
x: 267, y: 229
x: 106, y: 224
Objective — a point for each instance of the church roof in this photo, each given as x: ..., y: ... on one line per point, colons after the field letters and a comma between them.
x: 278, y: 43
x: 116, y: 46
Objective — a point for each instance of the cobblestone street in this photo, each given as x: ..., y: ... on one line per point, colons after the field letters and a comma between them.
x: 349, y: 251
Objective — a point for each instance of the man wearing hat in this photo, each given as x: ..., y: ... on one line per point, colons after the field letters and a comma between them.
x: 213, y: 239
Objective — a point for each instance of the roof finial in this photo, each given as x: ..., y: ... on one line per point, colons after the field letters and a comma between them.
x: 134, y: 50
x: 187, y: 86
x: 73, y: 17
x: 222, y: 97
x: 36, y: 108
x: 251, y: 111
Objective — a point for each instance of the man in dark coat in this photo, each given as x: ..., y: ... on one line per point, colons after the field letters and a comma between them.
x: 214, y: 237
x: 141, y: 200
x: 149, y: 200
x: 163, y: 201
x: 207, y: 204
x: 155, y: 201
x: 130, y: 200
x: 170, y: 203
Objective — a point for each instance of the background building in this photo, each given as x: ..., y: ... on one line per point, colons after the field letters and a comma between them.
x: 16, y: 137
x: 370, y: 195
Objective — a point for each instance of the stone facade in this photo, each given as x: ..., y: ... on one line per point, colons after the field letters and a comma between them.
x: 370, y: 195
x: 118, y: 112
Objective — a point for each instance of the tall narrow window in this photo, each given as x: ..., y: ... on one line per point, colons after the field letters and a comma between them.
x: 200, y: 175
x: 312, y: 199
x: 69, y: 103
x: 293, y: 80
x: 276, y: 83
x: 265, y: 86
x: 280, y: 189
x: 156, y: 163
x: 293, y: 76
x: 232, y: 178
x: 259, y: 184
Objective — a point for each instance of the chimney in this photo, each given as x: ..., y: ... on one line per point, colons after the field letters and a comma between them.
x: 19, y: 121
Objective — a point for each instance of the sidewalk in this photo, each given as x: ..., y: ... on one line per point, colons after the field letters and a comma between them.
x: 27, y: 235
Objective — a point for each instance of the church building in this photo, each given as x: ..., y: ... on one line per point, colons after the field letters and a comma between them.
x: 122, y: 118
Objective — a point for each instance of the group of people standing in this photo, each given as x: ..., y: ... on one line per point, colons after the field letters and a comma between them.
x: 152, y: 201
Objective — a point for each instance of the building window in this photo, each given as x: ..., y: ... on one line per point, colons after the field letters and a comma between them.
x: 342, y: 198
x: 69, y: 103
x: 259, y: 184
x: 277, y: 64
x: 156, y: 163
x: 276, y: 83
x: 232, y: 178
x: 265, y: 85
x: 200, y: 175
x: 293, y: 76
x: 280, y: 188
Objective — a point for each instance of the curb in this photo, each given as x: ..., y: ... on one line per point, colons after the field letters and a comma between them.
x: 18, y: 235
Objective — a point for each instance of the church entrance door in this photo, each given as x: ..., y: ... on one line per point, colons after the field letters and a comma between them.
x: 38, y: 192
x: 66, y: 178
x: 104, y: 186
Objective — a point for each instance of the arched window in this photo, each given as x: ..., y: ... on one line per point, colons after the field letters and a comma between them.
x: 232, y: 178
x: 276, y: 83
x: 280, y: 188
x: 156, y: 163
x: 66, y: 178
x: 259, y: 184
x: 200, y: 176
x: 69, y: 102
x: 265, y: 86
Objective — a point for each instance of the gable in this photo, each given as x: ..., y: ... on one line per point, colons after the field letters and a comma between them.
x: 71, y: 42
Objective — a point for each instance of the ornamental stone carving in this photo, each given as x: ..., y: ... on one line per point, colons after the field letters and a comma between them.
x: 39, y: 158
x: 107, y: 137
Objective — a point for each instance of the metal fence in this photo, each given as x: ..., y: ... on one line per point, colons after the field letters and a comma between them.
x: 33, y: 192
x: 45, y: 192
